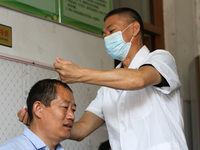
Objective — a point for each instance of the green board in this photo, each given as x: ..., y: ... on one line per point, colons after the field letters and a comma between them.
x: 42, y: 8
x: 85, y: 14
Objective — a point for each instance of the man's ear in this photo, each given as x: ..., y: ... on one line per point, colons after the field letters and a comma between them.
x: 37, y: 109
x: 135, y: 28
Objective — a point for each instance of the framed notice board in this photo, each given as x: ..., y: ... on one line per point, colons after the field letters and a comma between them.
x: 43, y: 8
x: 82, y: 14
x: 85, y: 14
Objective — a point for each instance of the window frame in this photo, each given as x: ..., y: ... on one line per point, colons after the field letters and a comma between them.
x: 156, y: 30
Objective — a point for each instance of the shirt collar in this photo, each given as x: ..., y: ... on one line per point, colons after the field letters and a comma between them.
x: 36, y: 141
x: 138, y: 59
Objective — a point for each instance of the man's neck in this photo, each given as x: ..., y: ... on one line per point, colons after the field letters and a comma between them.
x: 133, y: 51
x: 51, y: 144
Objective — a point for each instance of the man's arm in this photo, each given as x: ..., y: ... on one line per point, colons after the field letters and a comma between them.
x: 88, y: 123
x: 121, y: 78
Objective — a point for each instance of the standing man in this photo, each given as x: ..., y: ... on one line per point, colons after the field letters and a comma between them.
x: 139, y: 101
x: 51, y: 109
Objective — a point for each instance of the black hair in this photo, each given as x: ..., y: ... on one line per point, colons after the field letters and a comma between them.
x: 104, y: 145
x: 43, y: 91
x: 131, y: 15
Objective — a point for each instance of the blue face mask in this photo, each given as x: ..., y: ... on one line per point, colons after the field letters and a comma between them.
x: 115, y: 45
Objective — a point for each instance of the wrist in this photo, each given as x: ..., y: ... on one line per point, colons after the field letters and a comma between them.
x: 83, y: 75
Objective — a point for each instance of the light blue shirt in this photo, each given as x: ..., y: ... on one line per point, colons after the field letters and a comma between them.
x: 27, y: 141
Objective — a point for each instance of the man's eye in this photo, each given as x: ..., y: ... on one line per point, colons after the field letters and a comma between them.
x: 66, y: 107
x: 111, y: 31
x: 73, y: 110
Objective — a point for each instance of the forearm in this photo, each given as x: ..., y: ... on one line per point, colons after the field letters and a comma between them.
x: 121, y: 78
x: 115, y: 78
x: 88, y: 123
x: 77, y: 133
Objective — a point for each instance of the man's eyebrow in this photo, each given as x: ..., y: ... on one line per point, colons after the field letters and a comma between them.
x: 109, y: 26
x: 68, y: 102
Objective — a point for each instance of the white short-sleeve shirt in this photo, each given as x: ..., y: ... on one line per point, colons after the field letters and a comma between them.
x: 145, y: 119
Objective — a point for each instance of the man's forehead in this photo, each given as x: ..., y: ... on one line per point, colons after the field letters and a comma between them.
x: 114, y: 20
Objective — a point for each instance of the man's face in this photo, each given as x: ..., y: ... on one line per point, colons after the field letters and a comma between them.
x: 58, y: 118
x: 113, y: 24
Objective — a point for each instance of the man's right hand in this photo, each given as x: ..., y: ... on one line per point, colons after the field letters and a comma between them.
x: 23, y: 116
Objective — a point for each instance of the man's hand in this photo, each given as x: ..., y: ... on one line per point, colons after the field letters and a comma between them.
x: 68, y: 71
x: 23, y: 116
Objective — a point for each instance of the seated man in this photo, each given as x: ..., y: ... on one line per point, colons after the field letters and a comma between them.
x: 51, y: 110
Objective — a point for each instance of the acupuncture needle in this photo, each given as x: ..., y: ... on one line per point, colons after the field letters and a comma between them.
x: 56, y: 78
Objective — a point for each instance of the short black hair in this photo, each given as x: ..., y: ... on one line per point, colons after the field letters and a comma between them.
x: 104, y: 145
x: 43, y: 91
x: 131, y: 15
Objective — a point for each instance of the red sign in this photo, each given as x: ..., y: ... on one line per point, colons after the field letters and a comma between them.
x: 5, y: 35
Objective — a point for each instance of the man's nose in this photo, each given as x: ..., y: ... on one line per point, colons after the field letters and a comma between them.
x: 70, y: 115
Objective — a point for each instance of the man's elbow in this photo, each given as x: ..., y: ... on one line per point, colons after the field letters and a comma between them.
x: 77, y: 136
x: 79, y: 139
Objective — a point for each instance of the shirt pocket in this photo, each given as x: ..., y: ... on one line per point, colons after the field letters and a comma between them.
x: 139, y: 104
